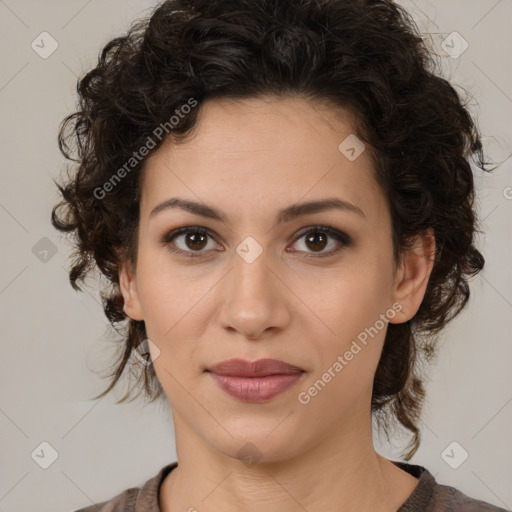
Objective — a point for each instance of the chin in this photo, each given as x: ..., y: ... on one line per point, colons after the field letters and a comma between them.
x: 259, y: 443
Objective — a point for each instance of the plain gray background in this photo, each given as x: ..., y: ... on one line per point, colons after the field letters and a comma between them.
x: 54, y: 339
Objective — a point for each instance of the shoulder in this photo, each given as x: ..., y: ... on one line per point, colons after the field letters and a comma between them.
x: 134, y: 499
x: 123, y: 502
x: 431, y: 496
x: 450, y: 499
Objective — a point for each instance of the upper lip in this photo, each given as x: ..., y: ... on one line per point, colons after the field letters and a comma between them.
x: 259, y: 368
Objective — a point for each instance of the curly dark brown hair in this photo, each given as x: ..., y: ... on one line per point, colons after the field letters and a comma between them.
x: 363, y: 55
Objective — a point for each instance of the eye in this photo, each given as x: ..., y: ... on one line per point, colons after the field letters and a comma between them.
x: 316, y: 238
x: 191, y: 240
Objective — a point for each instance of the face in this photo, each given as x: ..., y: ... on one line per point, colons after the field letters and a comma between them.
x: 314, y: 288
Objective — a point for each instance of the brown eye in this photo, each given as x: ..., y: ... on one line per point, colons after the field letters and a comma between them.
x: 188, y: 241
x: 316, y: 239
x: 196, y: 241
x: 193, y: 241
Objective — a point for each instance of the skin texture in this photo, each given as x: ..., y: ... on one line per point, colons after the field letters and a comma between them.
x: 250, y: 158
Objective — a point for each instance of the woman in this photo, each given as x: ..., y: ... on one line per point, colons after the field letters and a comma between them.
x: 280, y: 195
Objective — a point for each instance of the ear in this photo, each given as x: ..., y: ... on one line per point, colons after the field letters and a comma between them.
x: 412, y: 277
x: 128, y: 285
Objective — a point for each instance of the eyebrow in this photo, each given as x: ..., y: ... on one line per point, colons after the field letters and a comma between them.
x: 284, y: 215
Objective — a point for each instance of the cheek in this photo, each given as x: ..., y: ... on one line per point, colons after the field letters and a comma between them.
x: 167, y: 300
x: 354, y: 309
x: 168, y: 292
x: 347, y: 360
x: 350, y: 299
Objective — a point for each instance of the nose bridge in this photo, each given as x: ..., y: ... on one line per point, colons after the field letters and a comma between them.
x: 252, y: 301
x: 251, y: 274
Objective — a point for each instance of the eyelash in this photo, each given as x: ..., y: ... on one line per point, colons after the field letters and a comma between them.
x: 344, y: 240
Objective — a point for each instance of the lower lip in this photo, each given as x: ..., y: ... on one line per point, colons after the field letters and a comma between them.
x: 255, y: 389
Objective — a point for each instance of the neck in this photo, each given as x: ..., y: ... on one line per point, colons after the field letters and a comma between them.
x: 340, y: 471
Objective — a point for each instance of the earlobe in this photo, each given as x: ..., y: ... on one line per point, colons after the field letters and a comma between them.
x: 413, y: 275
x: 128, y: 286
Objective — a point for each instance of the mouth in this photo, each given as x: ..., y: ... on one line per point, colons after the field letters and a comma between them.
x: 256, y: 381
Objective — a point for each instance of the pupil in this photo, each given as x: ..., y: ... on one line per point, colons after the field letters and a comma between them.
x: 315, y: 239
x: 195, y: 240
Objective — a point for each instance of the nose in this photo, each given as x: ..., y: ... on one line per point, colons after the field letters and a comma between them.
x: 254, y: 298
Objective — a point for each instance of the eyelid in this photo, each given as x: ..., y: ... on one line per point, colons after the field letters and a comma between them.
x: 332, y: 232
x: 329, y: 230
x: 341, y: 237
x: 174, y: 233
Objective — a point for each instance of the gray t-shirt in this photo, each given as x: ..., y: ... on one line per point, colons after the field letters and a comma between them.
x: 427, y: 496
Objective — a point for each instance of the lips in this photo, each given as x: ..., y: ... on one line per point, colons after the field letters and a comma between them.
x: 259, y: 368
x: 256, y: 381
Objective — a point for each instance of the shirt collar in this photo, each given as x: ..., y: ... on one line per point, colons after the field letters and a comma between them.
x: 147, y: 498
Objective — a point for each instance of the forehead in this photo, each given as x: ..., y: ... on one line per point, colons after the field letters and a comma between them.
x: 260, y: 155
